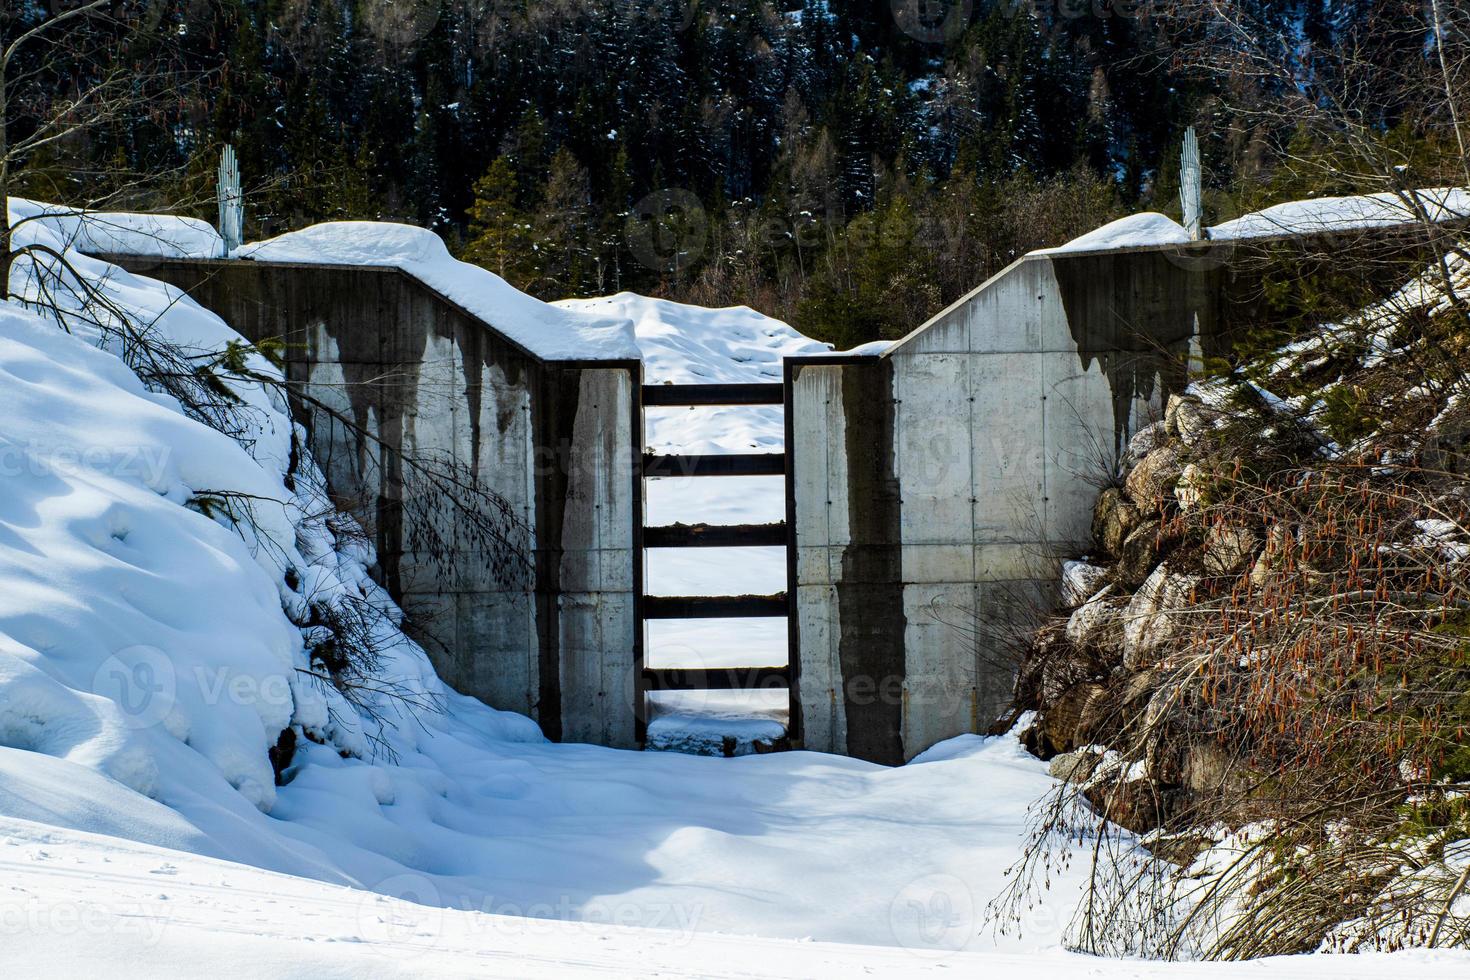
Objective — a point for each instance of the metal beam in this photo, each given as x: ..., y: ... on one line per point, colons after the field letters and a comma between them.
x: 713, y: 394
x: 716, y: 678
x: 714, y: 606
x: 716, y: 536
x: 716, y: 464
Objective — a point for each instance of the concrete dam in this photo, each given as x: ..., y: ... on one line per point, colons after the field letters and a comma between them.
x: 929, y: 489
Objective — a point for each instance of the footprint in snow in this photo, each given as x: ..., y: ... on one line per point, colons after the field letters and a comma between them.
x: 166, y: 869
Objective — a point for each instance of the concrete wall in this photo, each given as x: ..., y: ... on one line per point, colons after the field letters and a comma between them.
x: 557, y: 442
x: 932, y: 488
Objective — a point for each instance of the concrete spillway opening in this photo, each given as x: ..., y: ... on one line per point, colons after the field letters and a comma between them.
x: 751, y: 718
x: 716, y: 638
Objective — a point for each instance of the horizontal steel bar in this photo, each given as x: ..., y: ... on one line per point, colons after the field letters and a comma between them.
x: 716, y: 678
x: 714, y: 606
x: 770, y: 393
x: 716, y: 464
x: 716, y: 536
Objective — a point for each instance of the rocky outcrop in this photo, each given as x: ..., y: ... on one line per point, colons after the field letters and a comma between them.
x: 1099, y: 677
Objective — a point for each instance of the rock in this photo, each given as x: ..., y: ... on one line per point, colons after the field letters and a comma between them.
x: 1044, y: 645
x: 1187, y: 418
x: 1208, y: 768
x: 1135, y: 804
x: 282, y: 753
x: 1135, y: 692
x: 1147, y: 439
x: 1277, y: 540
x: 1151, y: 619
x: 1164, y: 702
x: 1179, y: 849
x: 1153, y: 479
x: 1139, y: 554
x: 1062, y: 722
x: 1073, y: 767
x: 1101, y: 720
x: 1229, y: 549
x: 1163, y: 757
x: 1065, y: 668
x: 1081, y: 581
x: 1097, y: 625
x: 1189, y: 491
x: 1113, y: 517
x: 1447, y: 446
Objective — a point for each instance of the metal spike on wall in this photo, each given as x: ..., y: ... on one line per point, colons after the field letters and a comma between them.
x: 1191, y: 182
x: 231, y: 201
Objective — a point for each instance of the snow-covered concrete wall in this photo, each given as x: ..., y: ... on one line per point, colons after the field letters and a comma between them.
x: 933, y: 487
x: 388, y: 371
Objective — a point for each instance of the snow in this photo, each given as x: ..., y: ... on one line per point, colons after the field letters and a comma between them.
x: 120, y: 232
x: 550, y: 332
x: 1136, y: 230
x: 684, y: 344
x: 1315, y: 216
x: 717, y: 722
x: 1325, y: 214
x: 84, y: 905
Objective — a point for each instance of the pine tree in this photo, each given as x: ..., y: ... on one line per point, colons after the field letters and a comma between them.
x: 564, y: 231
x: 500, y: 233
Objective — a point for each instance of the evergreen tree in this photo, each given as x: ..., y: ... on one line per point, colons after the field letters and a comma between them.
x: 500, y: 234
x: 564, y: 232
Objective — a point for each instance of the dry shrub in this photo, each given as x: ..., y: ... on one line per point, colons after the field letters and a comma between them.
x: 1293, y: 747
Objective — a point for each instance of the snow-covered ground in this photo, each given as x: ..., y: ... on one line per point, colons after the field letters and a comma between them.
x: 74, y: 905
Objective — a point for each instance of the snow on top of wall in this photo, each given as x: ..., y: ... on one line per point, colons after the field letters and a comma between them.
x: 1134, y: 231
x: 121, y: 232
x: 550, y: 332
x: 1315, y: 216
x: 1325, y: 214
x: 685, y: 344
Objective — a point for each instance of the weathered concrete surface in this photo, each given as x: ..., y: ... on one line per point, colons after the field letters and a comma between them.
x: 385, y: 369
x: 932, y: 487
